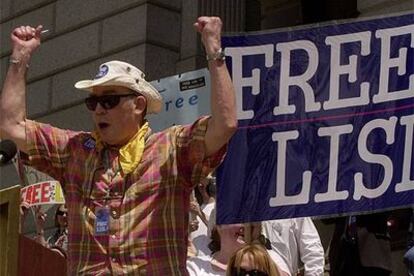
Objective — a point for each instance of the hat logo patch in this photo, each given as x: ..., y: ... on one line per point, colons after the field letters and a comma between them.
x: 103, y: 70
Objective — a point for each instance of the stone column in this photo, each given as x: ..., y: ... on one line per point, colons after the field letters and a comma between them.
x: 280, y: 13
x: 232, y: 12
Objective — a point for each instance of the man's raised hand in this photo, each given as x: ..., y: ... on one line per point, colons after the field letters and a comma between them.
x: 25, y: 40
x: 210, y: 30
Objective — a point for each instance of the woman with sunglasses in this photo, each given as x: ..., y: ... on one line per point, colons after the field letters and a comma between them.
x: 225, y: 241
x: 59, y: 239
x: 253, y: 260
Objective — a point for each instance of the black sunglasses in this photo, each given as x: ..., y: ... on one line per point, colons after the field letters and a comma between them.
x: 106, y: 101
x: 243, y: 272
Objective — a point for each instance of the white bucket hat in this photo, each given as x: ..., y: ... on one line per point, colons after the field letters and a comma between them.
x: 120, y: 73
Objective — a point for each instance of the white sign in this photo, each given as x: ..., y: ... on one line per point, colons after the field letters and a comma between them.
x: 185, y: 98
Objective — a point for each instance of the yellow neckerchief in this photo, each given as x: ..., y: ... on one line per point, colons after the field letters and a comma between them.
x: 131, y: 153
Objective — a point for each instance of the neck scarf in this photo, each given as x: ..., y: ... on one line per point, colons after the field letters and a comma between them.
x: 130, y: 154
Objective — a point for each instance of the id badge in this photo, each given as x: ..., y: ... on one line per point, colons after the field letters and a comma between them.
x: 102, y: 221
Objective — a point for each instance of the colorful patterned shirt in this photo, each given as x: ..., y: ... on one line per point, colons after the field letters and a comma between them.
x: 148, y: 208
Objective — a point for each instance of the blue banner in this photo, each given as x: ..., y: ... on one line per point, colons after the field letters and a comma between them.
x: 326, y: 121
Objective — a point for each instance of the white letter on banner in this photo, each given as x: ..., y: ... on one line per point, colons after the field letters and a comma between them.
x: 239, y: 82
x: 386, y: 63
x: 286, y: 80
x: 334, y: 132
x: 406, y: 184
x: 351, y: 69
x: 281, y: 199
x: 389, y: 127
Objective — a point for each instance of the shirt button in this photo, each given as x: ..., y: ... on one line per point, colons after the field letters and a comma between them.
x: 114, y: 237
x: 113, y: 260
x: 114, y: 213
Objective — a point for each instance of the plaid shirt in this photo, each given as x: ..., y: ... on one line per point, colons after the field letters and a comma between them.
x: 148, y: 208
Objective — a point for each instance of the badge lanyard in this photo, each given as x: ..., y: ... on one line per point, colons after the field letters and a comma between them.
x: 102, y: 221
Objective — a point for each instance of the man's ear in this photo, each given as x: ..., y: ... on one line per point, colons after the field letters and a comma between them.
x: 141, y: 104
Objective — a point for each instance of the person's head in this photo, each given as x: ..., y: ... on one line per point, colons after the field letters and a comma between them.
x: 61, y: 216
x: 226, y: 234
x: 209, y: 185
x: 251, y: 259
x: 119, y: 99
x: 206, y: 189
x: 234, y: 235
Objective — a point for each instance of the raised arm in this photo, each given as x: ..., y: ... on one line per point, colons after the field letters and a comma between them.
x: 25, y: 40
x: 223, y: 122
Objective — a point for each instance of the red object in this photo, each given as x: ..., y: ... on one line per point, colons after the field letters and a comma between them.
x: 35, y: 259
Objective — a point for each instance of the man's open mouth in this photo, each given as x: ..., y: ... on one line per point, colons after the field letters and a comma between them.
x: 103, y: 125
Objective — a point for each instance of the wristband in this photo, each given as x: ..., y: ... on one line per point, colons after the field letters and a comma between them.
x: 219, y: 55
x: 16, y: 61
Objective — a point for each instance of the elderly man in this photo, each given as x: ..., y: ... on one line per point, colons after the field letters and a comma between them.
x: 126, y: 189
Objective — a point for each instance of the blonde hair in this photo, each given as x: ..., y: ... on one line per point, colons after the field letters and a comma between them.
x: 260, y: 256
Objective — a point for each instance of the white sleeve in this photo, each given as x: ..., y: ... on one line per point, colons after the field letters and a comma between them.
x: 201, y: 266
x: 192, y: 267
x: 280, y: 263
x: 310, y: 247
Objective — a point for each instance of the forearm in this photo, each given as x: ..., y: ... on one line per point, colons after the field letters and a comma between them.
x: 13, y: 102
x: 223, y: 122
x: 223, y: 101
x: 40, y: 238
x: 13, y: 97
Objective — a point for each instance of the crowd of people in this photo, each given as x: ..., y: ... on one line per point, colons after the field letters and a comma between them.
x: 287, y: 247
x: 130, y: 206
x: 278, y: 247
x: 268, y: 248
